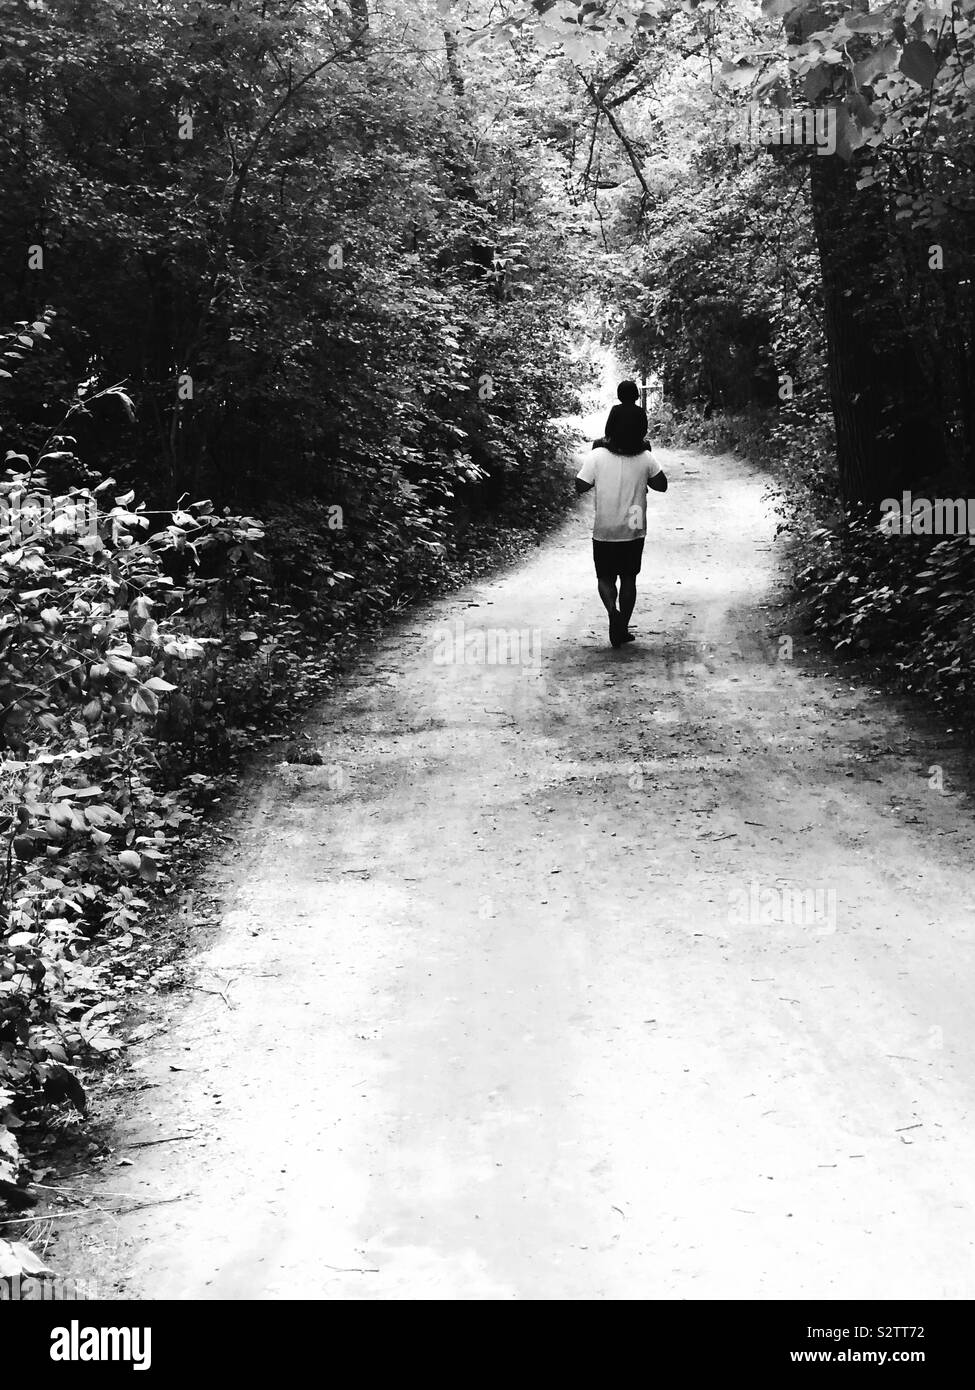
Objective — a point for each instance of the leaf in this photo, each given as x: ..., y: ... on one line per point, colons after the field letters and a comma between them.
x: 919, y: 63
x: 121, y: 665
x: 816, y: 81
x: 127, y: 403
x: 130, y: 859
x: 148, y: 870
x: 9, y: 1163
x: 862, y: 111
x: 738, y: 75
x: 186, y: 648
x: 868, y: 23
x: 144, y: 701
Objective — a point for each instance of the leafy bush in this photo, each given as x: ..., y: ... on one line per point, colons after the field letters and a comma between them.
x: 907, y: 601
x: 99, y: 634
x: 719, y: 432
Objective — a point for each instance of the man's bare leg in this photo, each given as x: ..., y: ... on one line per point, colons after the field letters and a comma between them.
x: 627, y: 597
x: 607, y: 592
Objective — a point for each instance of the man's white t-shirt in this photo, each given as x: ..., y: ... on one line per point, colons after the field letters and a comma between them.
x: 621, y: 492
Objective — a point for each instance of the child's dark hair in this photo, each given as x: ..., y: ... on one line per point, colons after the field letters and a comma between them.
x: 628, y: 391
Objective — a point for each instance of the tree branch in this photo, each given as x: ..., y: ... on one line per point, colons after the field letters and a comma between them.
x: 621, y: 134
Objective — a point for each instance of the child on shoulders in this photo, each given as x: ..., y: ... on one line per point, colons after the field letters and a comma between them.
x: 626, y: 424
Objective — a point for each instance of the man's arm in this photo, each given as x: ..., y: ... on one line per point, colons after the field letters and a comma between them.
x: 586, y: 477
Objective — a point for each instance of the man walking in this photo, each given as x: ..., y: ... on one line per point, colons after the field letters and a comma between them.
x: 621, y: 469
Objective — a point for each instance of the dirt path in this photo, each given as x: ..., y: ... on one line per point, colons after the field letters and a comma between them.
x: 501, y: 1017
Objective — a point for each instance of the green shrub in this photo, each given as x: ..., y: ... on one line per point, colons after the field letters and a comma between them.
x: 97, y: 639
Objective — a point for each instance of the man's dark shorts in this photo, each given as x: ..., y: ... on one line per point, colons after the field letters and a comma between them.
x: 617, y: 559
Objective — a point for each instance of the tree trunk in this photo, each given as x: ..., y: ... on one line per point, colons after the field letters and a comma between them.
x: 887, y: 432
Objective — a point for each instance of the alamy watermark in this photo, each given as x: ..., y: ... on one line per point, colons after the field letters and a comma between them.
x: 767, y: 905
x: 487, y: 646
x: 46, y: 1288
x: 924, y: 516
x: 758, y: 125
x: 24, y: 516
x: 82, y: 1343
